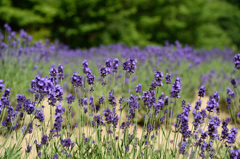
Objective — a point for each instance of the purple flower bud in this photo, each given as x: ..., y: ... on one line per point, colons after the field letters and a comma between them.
x: 230, y: 93
x: 212, y: 127
x: 60, y: 72
x: 86, y: 140
x: 70, y: 99
x: 1, y: 85
x: 55, y: 157
x: 130, y: 65
x: 211, y: 105
x: 138, y: 88
x: 6, y: 93
x: 182, y: 146
x: 108, y: 63
x: 101, y: 100
x: 104, y: 71
x: 176, y: 88
x: 234, y: 83
x: 201, y: 92
x: 228, y: 100
x: 158, y: 76
x: 168, y: 78
x: 198, y: 104
x: 29, y: 148
x: 150, y: 128
x: 235, y: 154
x: 90, y: 79
x: 77, y: 80
x: 115, y: 65
x: 112, y: 99
x: 39, y: 115
x: 232, y: 136
x: 85, y: 66
x: 67, y: 142
x: 237, y: 61
x: 238, y: 114
x: 44, y: 140
x: 53, y: 72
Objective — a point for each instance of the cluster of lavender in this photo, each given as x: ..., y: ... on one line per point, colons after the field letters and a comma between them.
x: 196, y: 141
x: 21, y: 47
x: 87, y: 71
x: 50, y: 88
x: 204, y: 141
x: 11, y: 46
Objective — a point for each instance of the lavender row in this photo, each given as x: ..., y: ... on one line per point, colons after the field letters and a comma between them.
x: 202, y: 140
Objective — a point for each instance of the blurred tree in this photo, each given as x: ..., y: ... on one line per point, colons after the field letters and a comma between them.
x: 86, y: 23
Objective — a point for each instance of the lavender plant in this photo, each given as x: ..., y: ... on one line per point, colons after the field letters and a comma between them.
x: 105, y: 135
x: 88, y: 121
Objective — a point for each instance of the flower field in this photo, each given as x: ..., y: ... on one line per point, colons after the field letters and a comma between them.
x: 117, y: 101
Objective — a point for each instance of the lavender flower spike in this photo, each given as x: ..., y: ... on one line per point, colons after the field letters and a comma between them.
x: 201, y: 92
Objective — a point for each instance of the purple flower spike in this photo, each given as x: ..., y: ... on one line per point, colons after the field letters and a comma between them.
x: 101, y: 100
x: 98, y: 119
x: 231, y: 139
x: 154, y: 85
x: 60, y: 68
x: 60, y: 72
x: 216, y: 96
x: 234, y: 83
x: 138, y: 88
x: 85, y: 66
x: 224, y: 134
x: 131, y: 65
x: 150, y: 128
x: 29, y: 148
x: 237, y: 61
x: 228, y: 100
x: 108, y: 63
x: 104, y: 71
x: 1, y: 85
x: 176, y: 88
x: 198, y: 104
x: 201, y: 92
x: 158, y: 76
x: 212, y: 127
x: 77, y: 80
x: 112, y: 99
x: 198, y: 119
x: 53, y: 72
x: 168, y: 78
x: 90, y: 79
x: 125, y: 66
x: 230, y: 92
x: 67, y: 142
x: 115, y: 65
x: 6, y: 93
x: 235, y: 154
x: 44, y: 140
x: 211, y: 105
x: 182, y: 146
x: 70, y: 99
x: 39, y: 115
x: 111, y: 117
x: 55, y: 157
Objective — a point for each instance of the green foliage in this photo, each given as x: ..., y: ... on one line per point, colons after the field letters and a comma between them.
x: 87, y: 23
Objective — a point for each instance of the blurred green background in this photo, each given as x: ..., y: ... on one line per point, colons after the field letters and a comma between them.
x: 87, y: 23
